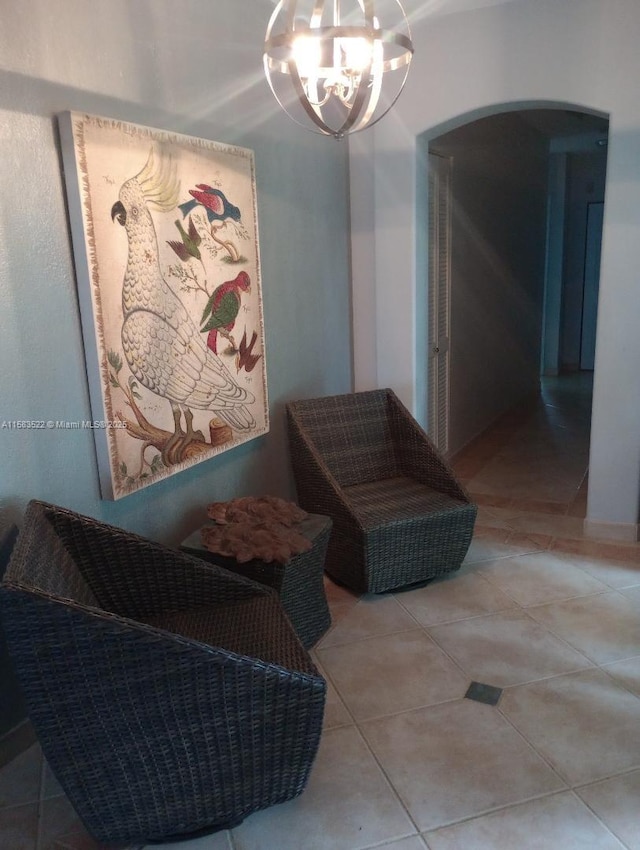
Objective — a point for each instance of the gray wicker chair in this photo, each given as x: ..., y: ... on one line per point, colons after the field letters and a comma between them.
x: 399, y: 515
x: 171, y: 697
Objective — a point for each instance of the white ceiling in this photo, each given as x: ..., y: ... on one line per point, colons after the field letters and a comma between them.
x: 418, y: 10
x: 562, y: 123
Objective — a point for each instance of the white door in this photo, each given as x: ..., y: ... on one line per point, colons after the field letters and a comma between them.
x: 439, y: 299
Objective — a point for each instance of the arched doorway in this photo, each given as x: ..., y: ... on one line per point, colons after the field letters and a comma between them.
x: 520, y: 261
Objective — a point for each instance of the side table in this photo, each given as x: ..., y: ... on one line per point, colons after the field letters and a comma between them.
x: 299, y: 582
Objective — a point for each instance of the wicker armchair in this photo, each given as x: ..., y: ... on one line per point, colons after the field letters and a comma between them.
x: 171, y: 697
x: 399, y: 515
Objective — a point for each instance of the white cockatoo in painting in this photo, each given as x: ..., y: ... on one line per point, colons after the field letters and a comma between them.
x: 161, y: 343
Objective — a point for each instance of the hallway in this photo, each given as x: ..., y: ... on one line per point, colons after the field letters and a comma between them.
x: 536, y: 457
x: 529, y: 472
x: 410, y: 759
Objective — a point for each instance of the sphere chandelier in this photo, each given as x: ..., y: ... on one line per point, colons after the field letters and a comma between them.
x: 337, y: 66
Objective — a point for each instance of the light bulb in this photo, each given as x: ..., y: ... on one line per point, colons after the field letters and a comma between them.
x: 357, y: 53
x: 345, y: 63
x: 307, y: 53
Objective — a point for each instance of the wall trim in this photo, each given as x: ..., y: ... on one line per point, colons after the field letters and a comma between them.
x: 628, y: 532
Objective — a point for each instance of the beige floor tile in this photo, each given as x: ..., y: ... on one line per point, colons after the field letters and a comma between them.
x: 491, y: 517
x: 372, y: 615
x: 556, y: 526
x: 559, y: 822
x: 584, y: 724
x: 626, y: 672
x: 348, y: 803
x: 335, y: 712
x: 530, y: 471
x: 412, y: 843
x: 217, y: 841
x: 617, y: 802
x: 457, y: 760
x: 506, y: 648
x: 604, y: 627
x: 338, y: 594
x: 57, y: 817
x: 610, y: 571
x: 607, y: 550
x: 488, y: 543
x: 338, y: 612
x: 491, y: 543
x: 542, y: 577
x: 79, y: 839
x: 459, y: 596
x: 20, y: 779
x: 540, y: 506
x: 632, y: 593
x: 50, y: 785
x: 19, y: 827
x: 392, y: 673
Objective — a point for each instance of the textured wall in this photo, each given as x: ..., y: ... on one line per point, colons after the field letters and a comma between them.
x: 193, y: 68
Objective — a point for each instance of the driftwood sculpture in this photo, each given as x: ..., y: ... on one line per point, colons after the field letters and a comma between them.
x: 261, y: 527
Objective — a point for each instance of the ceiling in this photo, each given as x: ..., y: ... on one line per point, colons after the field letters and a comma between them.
x: 561, y: 123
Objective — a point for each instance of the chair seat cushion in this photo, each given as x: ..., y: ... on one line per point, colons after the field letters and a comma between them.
x: 256, y: 628
x: 397, y: 500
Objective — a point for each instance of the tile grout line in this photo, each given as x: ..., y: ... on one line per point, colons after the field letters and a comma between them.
x: 387, y: 779
x: 615, y: 679
x: 599, y: 819
x: 568, y: 642
x: 394, y: 841
x: 525, y: 802
x: 329, y: 678
x: 571, y: 786
x: 579, y: 786
x: 362, y: 736
x: 565, y: 780
x: 481, y: 814
x: 366, y: 638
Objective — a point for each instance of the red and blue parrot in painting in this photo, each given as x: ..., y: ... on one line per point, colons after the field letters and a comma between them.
x: 214, y: 201
x: 219, y: 211
x: 221, y: 311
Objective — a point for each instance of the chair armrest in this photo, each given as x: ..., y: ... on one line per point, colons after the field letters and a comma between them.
x: 135, y: 577
x: 317, y: 489
x: 159, y: 580
x: 417, y: 456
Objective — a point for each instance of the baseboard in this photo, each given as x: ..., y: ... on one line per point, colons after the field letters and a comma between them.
x: 627, y: 532
x: 16, y: 741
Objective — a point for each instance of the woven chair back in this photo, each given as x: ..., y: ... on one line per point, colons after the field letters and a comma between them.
x: 41, y: 562
x: 352, y: 433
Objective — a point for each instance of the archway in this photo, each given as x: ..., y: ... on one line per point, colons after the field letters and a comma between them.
x: 521, y: 183
x: 464, y: 64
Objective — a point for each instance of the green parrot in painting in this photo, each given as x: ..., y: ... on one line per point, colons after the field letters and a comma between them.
x: 190, y: 242
x: 222, y: 309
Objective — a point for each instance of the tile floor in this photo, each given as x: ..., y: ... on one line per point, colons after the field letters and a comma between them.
x: 406, y: 761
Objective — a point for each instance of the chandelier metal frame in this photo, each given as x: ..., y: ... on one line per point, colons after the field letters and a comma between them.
x: 347, y: 62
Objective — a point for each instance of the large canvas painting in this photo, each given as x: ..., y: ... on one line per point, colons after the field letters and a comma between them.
x: 165, y: 237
